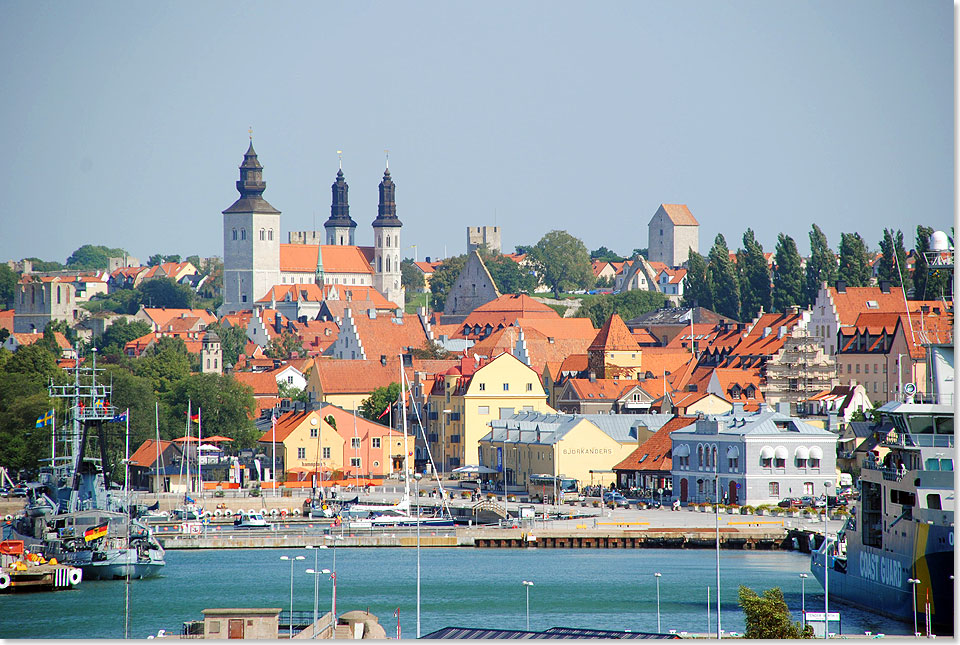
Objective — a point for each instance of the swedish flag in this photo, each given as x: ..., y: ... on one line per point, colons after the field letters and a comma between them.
x: 45, y: 420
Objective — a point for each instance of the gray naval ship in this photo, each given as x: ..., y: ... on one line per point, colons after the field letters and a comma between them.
x: 71, y: 513
x: 894, y: 555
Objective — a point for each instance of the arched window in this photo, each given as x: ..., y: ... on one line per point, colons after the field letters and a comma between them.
x: 243, y: 233
x: 713, y: 457
x: 700, y: 456
x: 388, y: 257
x: 263, y: 235
x: 269, y: 237
x: 234, y: 233
x: 379, y: 265
x: 379, y: 241
x: 58, y: 294
x: 388, y: 241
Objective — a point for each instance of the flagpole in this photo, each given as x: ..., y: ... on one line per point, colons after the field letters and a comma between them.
x: 273, y: 441
x: 126, y: 500
x: 53, y: 441
x: 156, y: 464
x: 187, y: 446
x: 199, y: 442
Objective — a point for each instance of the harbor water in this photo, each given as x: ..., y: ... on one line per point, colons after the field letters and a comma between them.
x: 600, y: 589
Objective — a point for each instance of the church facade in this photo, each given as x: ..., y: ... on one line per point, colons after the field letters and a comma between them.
x: 254, y: 260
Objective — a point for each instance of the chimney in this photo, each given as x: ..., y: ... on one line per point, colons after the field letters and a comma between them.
x: 841, y: 286
x: 277, y: 325
x: 884, y: 286
x: 593, y: 377
x: 781, y: 331
x: 383, y: 359
x: 794, y: 310
x: 372, y: 313
x: 738, y: 408
x: 766, y: 332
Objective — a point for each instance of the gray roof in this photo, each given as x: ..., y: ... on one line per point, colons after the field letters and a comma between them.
x: 524, y: 426
x: 757, y: 423
x: 677, y: 316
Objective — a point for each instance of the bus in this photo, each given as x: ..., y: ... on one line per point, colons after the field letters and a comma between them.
x: 541, y: 488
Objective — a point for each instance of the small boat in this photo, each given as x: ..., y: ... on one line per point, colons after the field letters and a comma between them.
x: 248, y: 520
x: 187, y: 513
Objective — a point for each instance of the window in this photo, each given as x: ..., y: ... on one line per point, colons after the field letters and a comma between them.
x: 933, y: 501
x: 506, y: 387
x: 243, y: 233
x: 849, y: 367
x: 289, y: 379
x: 375, y: 442
x: 483, y: 409
x: 270, y: 235
x: 858, y: 368
x: 234, y: 234
x: 301, y: 453
x: 263, y: 235
x: 326, y: 452
x: 775, y: 489
x: 454, y: 438
x: 355, y: 462
x: 355, y: 442
x: 801, y: 463
x: 733, y: 464
x: 700, y: 456
x: 314, y: 432
x: 529, y: 387
x: 483, y: 386
x: 779, y: 463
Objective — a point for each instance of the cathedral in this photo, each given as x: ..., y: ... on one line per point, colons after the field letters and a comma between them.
x: 254, y: 260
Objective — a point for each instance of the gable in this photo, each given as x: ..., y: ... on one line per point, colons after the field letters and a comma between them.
x: 472, y: 288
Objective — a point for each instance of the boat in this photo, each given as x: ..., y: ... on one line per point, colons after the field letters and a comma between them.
x: 248, y: 520
x: 394, y: 518
x: 72, y: 515
x: 188, y: 512
x: 901, y: 529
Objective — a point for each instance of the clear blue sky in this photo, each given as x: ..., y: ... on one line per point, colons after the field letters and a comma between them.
x: 123, y: 123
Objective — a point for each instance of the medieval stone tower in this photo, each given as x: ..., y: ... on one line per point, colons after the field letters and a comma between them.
x: 211, y: 354
x: 251, y: 240
x: 386, y: 244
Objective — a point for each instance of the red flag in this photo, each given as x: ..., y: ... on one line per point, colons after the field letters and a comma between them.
x: 194, y: 417
x: 384, y: 412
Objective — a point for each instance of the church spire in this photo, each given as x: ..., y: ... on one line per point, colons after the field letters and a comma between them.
x: 387, y: 208
x: 251, y: 184
x: 340, y: 227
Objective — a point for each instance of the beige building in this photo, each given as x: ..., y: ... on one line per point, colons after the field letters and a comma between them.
x: 39, y: 300
x: 673, y: 231
x: 466, y: 398
x: 262, y: 623
x: 799, y: 370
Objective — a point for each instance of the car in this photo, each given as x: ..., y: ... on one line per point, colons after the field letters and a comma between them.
x: 787, y: 502
x: 19, y: 491
x: 613, y: 497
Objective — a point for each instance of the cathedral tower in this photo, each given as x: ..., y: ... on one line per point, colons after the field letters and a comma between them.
x: 386, y: 240
x: 340, y: 227
x: 251, y: 240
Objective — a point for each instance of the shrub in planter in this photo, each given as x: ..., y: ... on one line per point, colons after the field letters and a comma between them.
x: 733, y: 509
x: 762, y: 509
x: 746, y: 509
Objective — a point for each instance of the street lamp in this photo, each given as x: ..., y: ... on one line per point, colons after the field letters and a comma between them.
x: 826, y: 568
x: 292, y: 560
x: 316, y: 595
x: 443, y: 455
x: 657, y: 576
x: 316, y: 582
x: 416, y: 480
x: 528, y: 584
x: 913, y: 582
x: 803, y: 600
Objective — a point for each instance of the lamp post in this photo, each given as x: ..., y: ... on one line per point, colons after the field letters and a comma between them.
x: 716, y: 506
x: 528, y: 584
x: 803, y: 600
x: 657, y: 576
x: 826, y: 570
x: 292, y: 560
x: 416, y: 480
x: 316, y: 573
x: 913, y: 582
x: 316, y: 582
x: 443, y: 455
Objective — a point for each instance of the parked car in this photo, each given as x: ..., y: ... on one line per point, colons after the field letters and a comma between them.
x: 787, y: 502
x: 613, y: 497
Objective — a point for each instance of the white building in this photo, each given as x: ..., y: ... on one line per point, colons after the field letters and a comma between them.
x: 672, y: 232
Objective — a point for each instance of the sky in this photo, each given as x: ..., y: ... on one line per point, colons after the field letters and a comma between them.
x: 124, y: 124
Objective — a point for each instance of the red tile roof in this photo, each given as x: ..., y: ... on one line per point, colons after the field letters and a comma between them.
x: 263, y: 383
x: 357, y: 376
x: 24, y: 339
x: 6, y: 319
x: 602, y: 389
x: 614, y: 336
x: 574, y: 363
x: 161, y: 316
x: 381, y: 336
x: 655, y: 454
x: 680, y: 215
x: 336, y: 259
x: 146, y: 454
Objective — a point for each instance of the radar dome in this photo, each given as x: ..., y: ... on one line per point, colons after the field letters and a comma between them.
x: 939, y: 241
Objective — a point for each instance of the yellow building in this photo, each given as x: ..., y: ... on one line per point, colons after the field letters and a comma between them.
x: 305, y: 443
x: 346, y: 383
x: 584, y: 447
x: 466, y: 398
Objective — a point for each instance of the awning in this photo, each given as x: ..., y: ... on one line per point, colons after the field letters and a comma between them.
x: 733, y: 452
x: 816, y: 453
x: 802, y: 452
x: 682, y: 450
x: 780, y: 452
x: 766, y: 452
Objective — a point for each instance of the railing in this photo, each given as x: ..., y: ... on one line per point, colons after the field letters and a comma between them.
x: 192, y: 629
x: 301, y: 619
x: 888, y: 473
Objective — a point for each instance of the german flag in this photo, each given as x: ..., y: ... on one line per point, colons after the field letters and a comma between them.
x: 95, y: 533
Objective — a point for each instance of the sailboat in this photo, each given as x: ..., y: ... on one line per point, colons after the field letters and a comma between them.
x: 399, y: 514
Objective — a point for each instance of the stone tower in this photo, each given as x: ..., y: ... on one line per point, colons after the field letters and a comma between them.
x: 211, y: 355
x: 483, y: 236
x: 251, y: 240
x: 340, y: 227
x: 386, y: 244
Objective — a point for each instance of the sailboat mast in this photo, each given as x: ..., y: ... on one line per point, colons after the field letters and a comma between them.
x: 186, y: 446
x: 403, y: 417
x: 199, y: 441
x: 156, y: 464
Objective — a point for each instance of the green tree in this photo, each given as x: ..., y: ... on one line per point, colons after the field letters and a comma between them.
x: 645, y: 252
x: 696, y: 289
x: 287, y: 391
x: 507, y: 274
x: 24, y: 377
x: 136, y: 394
x: 93, y: 257
x: 122, y: 301
x: 522, y: 249
x: 283, y: 346
x: 373, y: 406
x: 164, y: 364
x: 854, y: 260
x: 627, y: 305
x: 155, y: 260
x: 821, y: 267
x: 195, y: 261
x: 562, y: 262
x: 411, y: 277
x: 226, y: 406
x: 44, y: 266
x: 928, y: 284
x: 787, y: 275
x: 606, y: 255
x: 722, y: 279
x: 893, y: 259
x: 443, y: 280
x: 767, y: 616
x: 430, y: 351
x: 119, y: 334
x: 164, y: 292
x: 8, y: 285
x: 754, y: 277
x: 232, y: 341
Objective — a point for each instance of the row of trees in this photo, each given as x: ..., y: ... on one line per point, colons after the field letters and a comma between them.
x: 739, y: 289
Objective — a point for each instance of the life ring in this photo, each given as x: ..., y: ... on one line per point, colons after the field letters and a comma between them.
x: 283, y: 512
x: 296, y: 512
x: 5, y: 580
x: 274, y: 512
x: 8, y: 517
x: 216, y: 513
x: 251, y: 511
x: 75, y: 576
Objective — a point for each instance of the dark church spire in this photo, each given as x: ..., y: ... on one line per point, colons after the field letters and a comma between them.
x: 340, y: 206
x: 251, y: 186
x: 387, y: 209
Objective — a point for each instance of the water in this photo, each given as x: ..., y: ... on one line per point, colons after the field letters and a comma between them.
x: 600, y: 589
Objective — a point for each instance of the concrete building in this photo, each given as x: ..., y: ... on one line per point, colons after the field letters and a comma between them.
x: 759, y: 457
x: 483, y: 236
x: 672, y: 232
x: 473, y: 287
